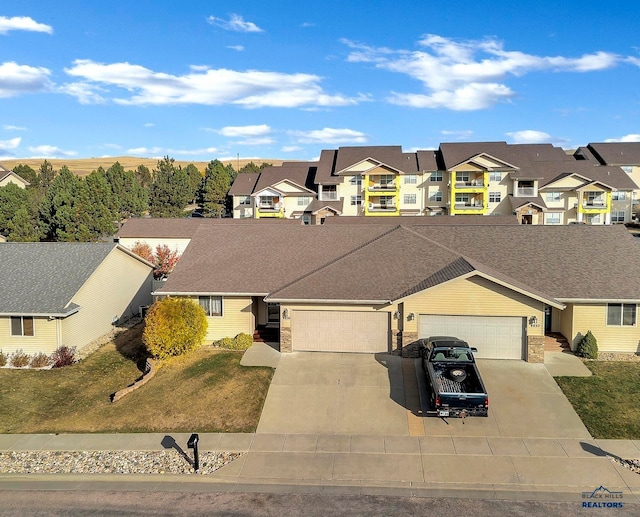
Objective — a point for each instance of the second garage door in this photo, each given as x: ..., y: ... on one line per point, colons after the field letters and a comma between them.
x: 495, y: 337
x: 340, y: 331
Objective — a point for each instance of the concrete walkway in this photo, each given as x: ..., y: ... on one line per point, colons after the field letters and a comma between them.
x: 564, y: 364
x: 487, y: 467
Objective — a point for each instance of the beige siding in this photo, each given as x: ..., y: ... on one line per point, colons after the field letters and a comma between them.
x: 237, y: 316
x: 475, y: 296
x: 116, y: 289
x: 44, y: 339
x: 593, y: 317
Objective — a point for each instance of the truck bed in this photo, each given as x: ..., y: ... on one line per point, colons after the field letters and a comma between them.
x: 447, y: 385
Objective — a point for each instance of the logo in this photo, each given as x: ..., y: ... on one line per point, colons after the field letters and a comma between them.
x: 602, y: 497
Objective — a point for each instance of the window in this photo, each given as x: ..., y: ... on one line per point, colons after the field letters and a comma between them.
x: 552, y: 196
x: 436, y: 176
x: 553, y: 218
x: 22, y: 326
x: 212, y: 305
x: 621, y: 314
x: 627, y: 168
x: 495, y: 197
x: 617, y: 216
x: 355, y: 180
x: 304, y: 200
x: 436, y: 196
x: 410, y: 199
x: 463, y: 176
x: 306, y: 218
x: 244, y: 200
x: 593, y: 219
x: 618, y: 195
x: 410, y: 179
x: 495, y: 176
x: 386, y: 179
x: 356, y: 200
x: 463, y: 199
x: 595, y: 199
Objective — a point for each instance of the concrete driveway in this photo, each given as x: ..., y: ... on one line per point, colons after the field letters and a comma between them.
x: 336, y: 393
x: 524, y: 402
x: 364, y: 394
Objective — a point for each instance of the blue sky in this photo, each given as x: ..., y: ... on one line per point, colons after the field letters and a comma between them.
x: 199, y: 80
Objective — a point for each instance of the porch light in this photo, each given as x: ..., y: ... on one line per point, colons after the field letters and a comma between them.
x: 285, y: 314
x: 533, y: 321
x: 411, y: 316
x: 396, y: 315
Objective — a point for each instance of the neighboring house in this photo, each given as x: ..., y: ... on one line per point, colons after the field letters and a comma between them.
x: 61, y: 293
x: 7, y: 176
x: 539, y: 183
x: 379, y: 287
x: 173, y: 232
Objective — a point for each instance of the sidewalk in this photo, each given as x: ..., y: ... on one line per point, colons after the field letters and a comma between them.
x: 511, y: 468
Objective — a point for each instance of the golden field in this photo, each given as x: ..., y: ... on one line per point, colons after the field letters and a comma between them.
x: 84, y: 166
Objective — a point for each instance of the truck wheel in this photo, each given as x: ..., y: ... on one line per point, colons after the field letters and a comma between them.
x: 457, y: 374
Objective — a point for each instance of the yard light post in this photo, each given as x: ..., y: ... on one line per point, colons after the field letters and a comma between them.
x: 193, y: 444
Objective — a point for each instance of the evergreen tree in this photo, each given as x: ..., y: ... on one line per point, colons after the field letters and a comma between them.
x: 58, y: 213
x: 27, y: 173
x: 128, y: 196
x: 12, y: 198
x: 94, y: 208
x: 46, y: 174
x: 170, y: 191
x: 215, y: 185
x: 195, y: 179
x: 23, y: 227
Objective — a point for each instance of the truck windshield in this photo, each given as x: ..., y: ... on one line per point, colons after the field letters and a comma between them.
x: 451, y: 354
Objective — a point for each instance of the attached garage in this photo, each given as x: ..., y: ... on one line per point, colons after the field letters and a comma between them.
x: 340, y: 331
x: 495, y: 337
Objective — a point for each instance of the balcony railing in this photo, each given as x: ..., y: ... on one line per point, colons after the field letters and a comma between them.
x: 468, y: 206
x: 268, y: 207
x: 382, y: 186
x: 329, y: 196
x: 594, y: 204
x: 382, y: 207
x: 471, y: 183
x: 526, y: 192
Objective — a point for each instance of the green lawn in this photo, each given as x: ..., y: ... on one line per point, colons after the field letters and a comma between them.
x: 608, y: 402
x: 206, y: 391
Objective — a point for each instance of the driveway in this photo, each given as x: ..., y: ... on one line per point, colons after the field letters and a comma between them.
x: 336, y: 393
x: 524, y: 402
x: 365, y: 394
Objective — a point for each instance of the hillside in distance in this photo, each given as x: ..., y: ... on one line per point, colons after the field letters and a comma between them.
x: 84, y: 166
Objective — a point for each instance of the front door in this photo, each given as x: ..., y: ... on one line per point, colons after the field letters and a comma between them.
x: 273, y: 313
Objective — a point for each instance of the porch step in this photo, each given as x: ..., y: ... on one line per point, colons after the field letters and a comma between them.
x: 262, y: 335
x: 555, y: 342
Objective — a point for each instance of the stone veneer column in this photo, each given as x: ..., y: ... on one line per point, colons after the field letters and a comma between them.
x: 408, y: 341
x: 535, y: 349
x: 285, y: 339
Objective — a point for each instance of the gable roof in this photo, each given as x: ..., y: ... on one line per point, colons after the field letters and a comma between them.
x: 5, y: 173
x: 616, y: 153
x: 41, y: 278
x: 159, y: 227
x: 244, y: 184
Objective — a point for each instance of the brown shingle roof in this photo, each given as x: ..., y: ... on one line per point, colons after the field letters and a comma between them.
x: 425, y: 220
x: 244, y: 184
x: 616, y: 153
x: 301, y: 173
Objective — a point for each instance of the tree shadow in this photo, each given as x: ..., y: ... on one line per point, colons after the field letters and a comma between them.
x: 129, y: 344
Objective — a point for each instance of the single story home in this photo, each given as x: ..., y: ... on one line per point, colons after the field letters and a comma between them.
x: 377, y: 288
x: 63, y: 293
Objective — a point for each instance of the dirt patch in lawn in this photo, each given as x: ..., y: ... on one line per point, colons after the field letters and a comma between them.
x: 207, y: 391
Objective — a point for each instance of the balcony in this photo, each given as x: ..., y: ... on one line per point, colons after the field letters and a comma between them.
x: 269, y: 207
x: 382, y: 187
x: 469, y: 184
x: 594, y: 204
x: 331, y: 195
x: 382, y: 207
x: 526, y: 192
x: 468, y: 206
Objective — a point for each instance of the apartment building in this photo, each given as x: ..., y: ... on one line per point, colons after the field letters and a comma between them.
x: 540, y: 183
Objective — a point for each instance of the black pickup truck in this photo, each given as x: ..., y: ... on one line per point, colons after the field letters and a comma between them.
x: 456, y: 387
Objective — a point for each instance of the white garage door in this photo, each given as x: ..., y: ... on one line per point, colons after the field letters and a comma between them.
x: 339, y: 331
x: 495, y: 337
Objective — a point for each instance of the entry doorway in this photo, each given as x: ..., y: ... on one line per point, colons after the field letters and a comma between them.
x: 273, y: 314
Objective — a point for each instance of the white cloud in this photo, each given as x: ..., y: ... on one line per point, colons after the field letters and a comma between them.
x: 292, y: 148
x: 330, y: 136
x: 22, y: 23
x: 149, y: 124
x: 265, y: 140
x: 234, y: 23
x: 50, y: 151
x: 16, y: 79
x: 467, y: 75
x: 459, y: 134
x: 5, y: 145
x: 9, y: 127
x: 239, y: 48
x: 155, y: 152
x: 85, y: 93
x: 632, y: 137
x: 251, y: 89
x: 531, y: 136
x: 243, y: 131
